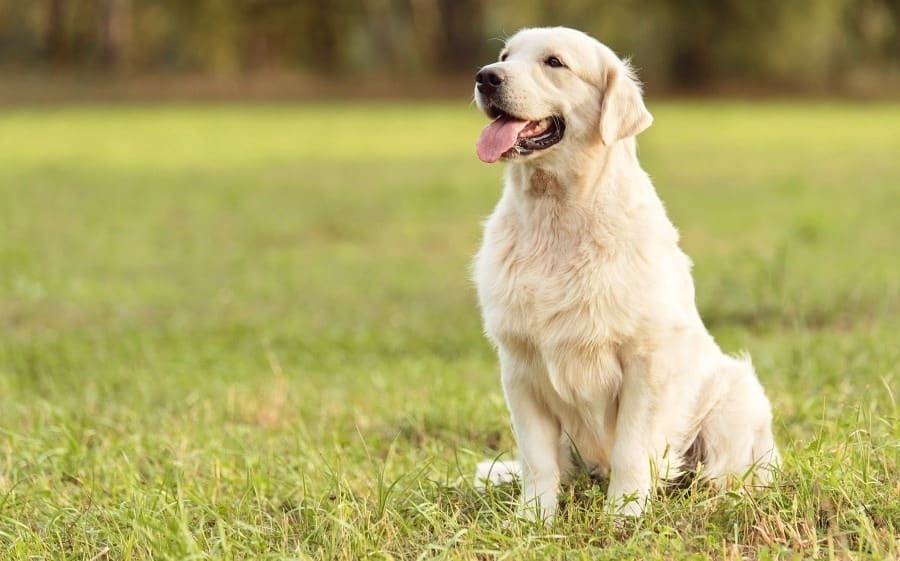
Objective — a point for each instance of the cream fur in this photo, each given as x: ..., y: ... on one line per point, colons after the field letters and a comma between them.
x: 590, y: 301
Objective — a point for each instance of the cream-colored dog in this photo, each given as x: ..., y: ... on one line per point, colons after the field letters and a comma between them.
x: 587, y: 296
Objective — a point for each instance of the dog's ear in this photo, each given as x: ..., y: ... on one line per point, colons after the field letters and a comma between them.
x: 622, y: 113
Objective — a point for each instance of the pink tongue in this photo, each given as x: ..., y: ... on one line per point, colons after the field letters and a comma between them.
x: 497, y: 138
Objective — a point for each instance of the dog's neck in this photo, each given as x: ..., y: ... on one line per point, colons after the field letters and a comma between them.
x: 602, y: 189
x: 566, y: 178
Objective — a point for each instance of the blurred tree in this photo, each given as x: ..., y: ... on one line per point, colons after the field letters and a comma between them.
x: 427, y: 24
x: 113, y: 30
x: 463, y: 34
x: 812, y: 44
x: 54, y: 34
x: 324, y: 28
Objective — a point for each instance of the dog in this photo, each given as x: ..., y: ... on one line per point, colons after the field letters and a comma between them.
x: 589, y: 300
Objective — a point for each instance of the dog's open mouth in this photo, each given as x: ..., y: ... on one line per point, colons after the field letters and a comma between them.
x: 508, y: 136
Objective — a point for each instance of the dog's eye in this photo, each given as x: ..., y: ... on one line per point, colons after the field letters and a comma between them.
x: 554, y: 62
x: 503, y: 57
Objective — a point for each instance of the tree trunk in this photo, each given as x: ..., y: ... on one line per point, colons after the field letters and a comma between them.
x: 428, y: 30
x: 463, y: 23
x: 112, y: 32
x: 54, y: 32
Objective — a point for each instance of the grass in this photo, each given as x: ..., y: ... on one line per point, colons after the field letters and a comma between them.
x: 247, y: 332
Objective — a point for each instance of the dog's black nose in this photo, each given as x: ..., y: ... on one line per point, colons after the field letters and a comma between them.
x: 488, y: 80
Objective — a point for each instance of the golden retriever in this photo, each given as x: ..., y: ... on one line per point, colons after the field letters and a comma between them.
x: 588, y: 297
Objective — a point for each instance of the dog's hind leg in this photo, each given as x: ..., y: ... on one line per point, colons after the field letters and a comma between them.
x: 737, y: 434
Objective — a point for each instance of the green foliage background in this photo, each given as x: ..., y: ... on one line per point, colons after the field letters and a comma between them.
x: 849, y: 46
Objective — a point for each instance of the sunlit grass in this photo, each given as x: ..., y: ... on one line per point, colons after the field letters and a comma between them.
x: 248, y: 332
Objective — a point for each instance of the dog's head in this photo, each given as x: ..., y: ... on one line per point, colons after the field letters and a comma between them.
x: 554, y: 86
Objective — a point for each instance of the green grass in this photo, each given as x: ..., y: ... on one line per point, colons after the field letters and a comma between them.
x: 247, y: 332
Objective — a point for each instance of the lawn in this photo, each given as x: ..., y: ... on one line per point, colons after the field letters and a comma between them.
x: 248, y: 332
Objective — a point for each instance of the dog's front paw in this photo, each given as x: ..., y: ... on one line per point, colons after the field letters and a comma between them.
x: 630, y: 505
x: 532, y: 515
x: 534, y: 511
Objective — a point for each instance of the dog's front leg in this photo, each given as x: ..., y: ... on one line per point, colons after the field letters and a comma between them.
x: 640, y: 456
x: 538, y: 435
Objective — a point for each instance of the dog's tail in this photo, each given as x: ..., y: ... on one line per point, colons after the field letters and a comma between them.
x: 496, y: 472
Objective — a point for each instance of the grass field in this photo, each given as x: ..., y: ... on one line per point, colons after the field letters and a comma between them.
x: 248, y: 332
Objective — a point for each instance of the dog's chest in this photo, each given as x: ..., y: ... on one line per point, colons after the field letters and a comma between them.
x: 556, y: 286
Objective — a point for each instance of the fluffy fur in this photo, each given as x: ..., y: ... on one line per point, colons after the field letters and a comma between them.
x: 590, y: 301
